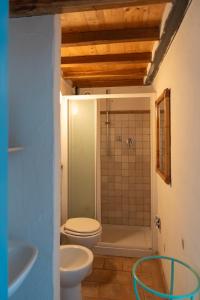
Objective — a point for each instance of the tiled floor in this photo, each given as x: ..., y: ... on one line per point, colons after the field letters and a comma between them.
x: 111, y: 279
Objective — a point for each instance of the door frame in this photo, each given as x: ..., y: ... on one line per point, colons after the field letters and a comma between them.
x: 98, y: 163
x: 4, y: 149
x: 151, y: 97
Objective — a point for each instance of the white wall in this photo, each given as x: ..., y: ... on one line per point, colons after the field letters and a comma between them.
x: 117, y: 90
x: 122, y: 103
x: 126, y: 104
x: 179, y: 204
x: 33, y: 173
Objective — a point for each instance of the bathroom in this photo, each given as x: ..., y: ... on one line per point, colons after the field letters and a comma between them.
x: 106, y: 153
x: 88, y: 147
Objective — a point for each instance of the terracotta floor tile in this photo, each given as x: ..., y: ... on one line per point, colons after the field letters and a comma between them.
x: 111, y: 279
x: 150, y: 267
x: 98, y: 262
x: 101, y: 276
x: 146, y: 279
x: 128, y: 263
x: 116, y: 292
x: 90, y: 289
x: 113, y: 263
x: 94, y: 298
x: 122, y: 278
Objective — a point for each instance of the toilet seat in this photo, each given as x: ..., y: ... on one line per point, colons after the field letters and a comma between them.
x: 72, y: 233
x: 82, y: 227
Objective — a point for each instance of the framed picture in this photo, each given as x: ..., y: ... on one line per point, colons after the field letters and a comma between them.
x: 163, y: 136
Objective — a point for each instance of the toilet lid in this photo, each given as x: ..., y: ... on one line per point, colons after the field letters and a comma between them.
x: 82, y: 225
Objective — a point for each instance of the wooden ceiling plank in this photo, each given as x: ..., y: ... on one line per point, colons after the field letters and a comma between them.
x: 143, y: 57
x: 77, y: 39
x: 103, y: 77
x: 23, y: 8
x: 141, y: 71
x: 103, y: 67
x: 100, y: 83
x: 117, y: 48
x: 117, y: 18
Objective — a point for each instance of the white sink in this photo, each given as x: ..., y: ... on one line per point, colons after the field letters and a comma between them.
x: 21, y: 259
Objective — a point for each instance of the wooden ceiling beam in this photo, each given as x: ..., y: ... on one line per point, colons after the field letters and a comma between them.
x: 141, y: 57
x: 24, y: 8
x: 171, y: 27
x: 104, y: 78
x: 104, y: 72
x: 124, y: 74
x: 107, y: 83
x: 77, y: 39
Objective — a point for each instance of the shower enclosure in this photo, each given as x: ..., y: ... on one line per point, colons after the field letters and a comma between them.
x: 109, y: 171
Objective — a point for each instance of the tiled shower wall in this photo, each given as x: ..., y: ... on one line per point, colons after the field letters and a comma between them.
x: 125, y: 169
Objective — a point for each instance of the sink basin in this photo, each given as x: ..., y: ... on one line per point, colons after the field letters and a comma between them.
x: 21, y: 259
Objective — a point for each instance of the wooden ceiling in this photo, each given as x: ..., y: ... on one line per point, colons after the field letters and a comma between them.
x: 109, y: 47
x: 109, y: 42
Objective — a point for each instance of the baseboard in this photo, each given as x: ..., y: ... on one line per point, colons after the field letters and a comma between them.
x: 102, y: 249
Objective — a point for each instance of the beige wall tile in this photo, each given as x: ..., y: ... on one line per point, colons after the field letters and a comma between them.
x: 126, y: 172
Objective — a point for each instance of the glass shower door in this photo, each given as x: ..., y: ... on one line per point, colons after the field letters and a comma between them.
x: 82, y: 156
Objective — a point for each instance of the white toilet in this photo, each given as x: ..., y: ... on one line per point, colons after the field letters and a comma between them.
x: 82, y: 231
x: 75, y: 264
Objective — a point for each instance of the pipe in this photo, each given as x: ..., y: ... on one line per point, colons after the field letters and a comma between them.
x: 107, y: 123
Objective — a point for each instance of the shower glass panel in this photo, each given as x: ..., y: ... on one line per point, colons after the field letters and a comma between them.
x: 82, y: 154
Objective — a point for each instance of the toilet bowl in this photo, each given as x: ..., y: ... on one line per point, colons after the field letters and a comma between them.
x: 82, y: 231
x: 75, y: 264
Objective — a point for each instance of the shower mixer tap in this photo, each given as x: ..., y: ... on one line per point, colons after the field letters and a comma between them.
x: 130, y: 142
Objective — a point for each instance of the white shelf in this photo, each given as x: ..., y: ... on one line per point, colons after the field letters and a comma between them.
x: 15, y: 149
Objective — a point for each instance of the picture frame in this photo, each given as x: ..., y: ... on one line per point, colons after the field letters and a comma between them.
x: 163, y: 136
